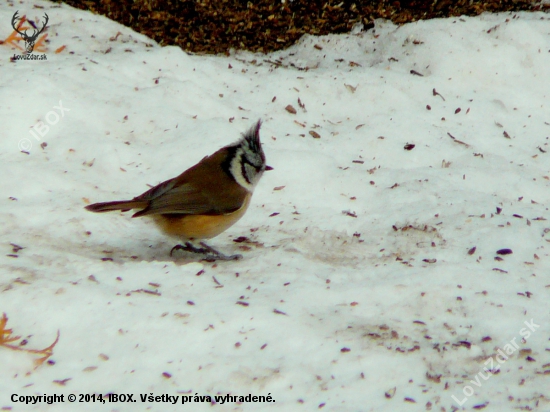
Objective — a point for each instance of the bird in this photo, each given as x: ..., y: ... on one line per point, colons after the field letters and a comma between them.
x: 206, y: 199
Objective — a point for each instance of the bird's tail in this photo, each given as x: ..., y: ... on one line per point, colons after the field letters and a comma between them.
x: 123, y: 205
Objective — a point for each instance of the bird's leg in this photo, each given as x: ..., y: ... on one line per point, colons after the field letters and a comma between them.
x: 210, y: 254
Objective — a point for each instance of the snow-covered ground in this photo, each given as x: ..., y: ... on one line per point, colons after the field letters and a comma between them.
x: 370, y: 279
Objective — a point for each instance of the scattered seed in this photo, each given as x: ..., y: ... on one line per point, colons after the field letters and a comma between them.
x: 435, y: 93
x: 16, y: 248
x: 350, y: 87
x: 457, y: 141
x: 290, y: 109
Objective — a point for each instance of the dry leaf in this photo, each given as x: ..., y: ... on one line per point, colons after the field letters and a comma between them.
x: 6, y: 337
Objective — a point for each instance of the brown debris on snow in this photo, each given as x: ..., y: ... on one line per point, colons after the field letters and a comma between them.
x: 216, y: 26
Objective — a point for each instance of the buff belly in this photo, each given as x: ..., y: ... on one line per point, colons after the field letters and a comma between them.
x: 196, y: 227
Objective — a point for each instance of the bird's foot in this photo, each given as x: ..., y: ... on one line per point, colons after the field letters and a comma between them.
x: 210, y: 254
x: 217, y: 255
x: 188, y: 247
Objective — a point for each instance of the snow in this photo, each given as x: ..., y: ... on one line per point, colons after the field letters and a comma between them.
x: 361, y: 292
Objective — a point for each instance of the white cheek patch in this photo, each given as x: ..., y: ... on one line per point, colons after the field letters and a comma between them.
x: 237, y: 171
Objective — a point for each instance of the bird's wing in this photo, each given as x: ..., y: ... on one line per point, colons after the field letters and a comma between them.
x: 157, y: 191
x: 182, y: 199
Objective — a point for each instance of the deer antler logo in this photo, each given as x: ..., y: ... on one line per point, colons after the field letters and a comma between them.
x: 29, y: 40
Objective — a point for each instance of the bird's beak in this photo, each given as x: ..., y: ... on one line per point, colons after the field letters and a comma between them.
x: 268, y: 168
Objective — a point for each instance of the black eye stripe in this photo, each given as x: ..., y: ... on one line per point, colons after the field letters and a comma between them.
x: 245, y: 175
x: 244, y: 162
